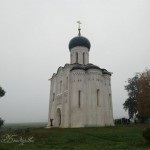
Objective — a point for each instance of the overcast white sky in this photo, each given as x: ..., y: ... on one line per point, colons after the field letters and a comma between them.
x: 34, y: 37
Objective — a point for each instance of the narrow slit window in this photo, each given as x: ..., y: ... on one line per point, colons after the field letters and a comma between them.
x: 79, y: 98
x: 110, y: 99
x: 97, y: 97
x: 71, y: 58
x: 67, y: 83
x: 83, y: 58
x: 60, y: 86
x: 53, y: 96
x: 76, y: 57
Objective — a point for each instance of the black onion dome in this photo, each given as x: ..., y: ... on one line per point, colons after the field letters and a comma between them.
x: 79, y: 41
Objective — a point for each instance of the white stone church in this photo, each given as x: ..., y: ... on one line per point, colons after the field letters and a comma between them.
x: 80, y: 92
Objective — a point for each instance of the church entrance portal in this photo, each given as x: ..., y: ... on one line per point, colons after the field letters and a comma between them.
x: 58, y: 115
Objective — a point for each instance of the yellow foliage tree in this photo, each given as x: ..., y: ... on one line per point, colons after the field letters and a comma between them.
x: 143, y: 95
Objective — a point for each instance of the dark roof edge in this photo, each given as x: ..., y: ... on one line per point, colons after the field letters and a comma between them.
x: 87, y: 67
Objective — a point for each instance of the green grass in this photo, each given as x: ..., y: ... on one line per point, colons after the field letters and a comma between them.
x: 104, y: 138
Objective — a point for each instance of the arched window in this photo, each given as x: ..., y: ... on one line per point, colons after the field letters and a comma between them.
x: 76, y: 57
x: 58, y: 117
x: 67, y: 83
x: 53, y: 96
x: 60, y: 86
x: 71, y: 58
x: 79, y: 99
x: 110, y: 100
x: 83, y: 58
x: 97, y: 97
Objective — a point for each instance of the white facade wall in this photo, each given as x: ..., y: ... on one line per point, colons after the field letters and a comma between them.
x: 77, y: 108
x: 59, y: 87
x: 93, y: 111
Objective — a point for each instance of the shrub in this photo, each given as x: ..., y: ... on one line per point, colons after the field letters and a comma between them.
x: 22, y: 131
x: 146, y: 134
x: 1, y: 122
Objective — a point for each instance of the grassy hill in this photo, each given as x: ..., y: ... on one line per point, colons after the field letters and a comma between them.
x: 104, y: 138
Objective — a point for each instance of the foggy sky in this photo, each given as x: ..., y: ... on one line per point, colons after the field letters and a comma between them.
x: 34, y: 38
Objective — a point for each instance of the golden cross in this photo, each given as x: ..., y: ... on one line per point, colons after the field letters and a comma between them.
x: 79, y: 23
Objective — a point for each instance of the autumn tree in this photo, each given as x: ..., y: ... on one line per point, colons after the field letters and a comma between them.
x: 143, y: 96
x: 2, y: 92
x: 130, y: 104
